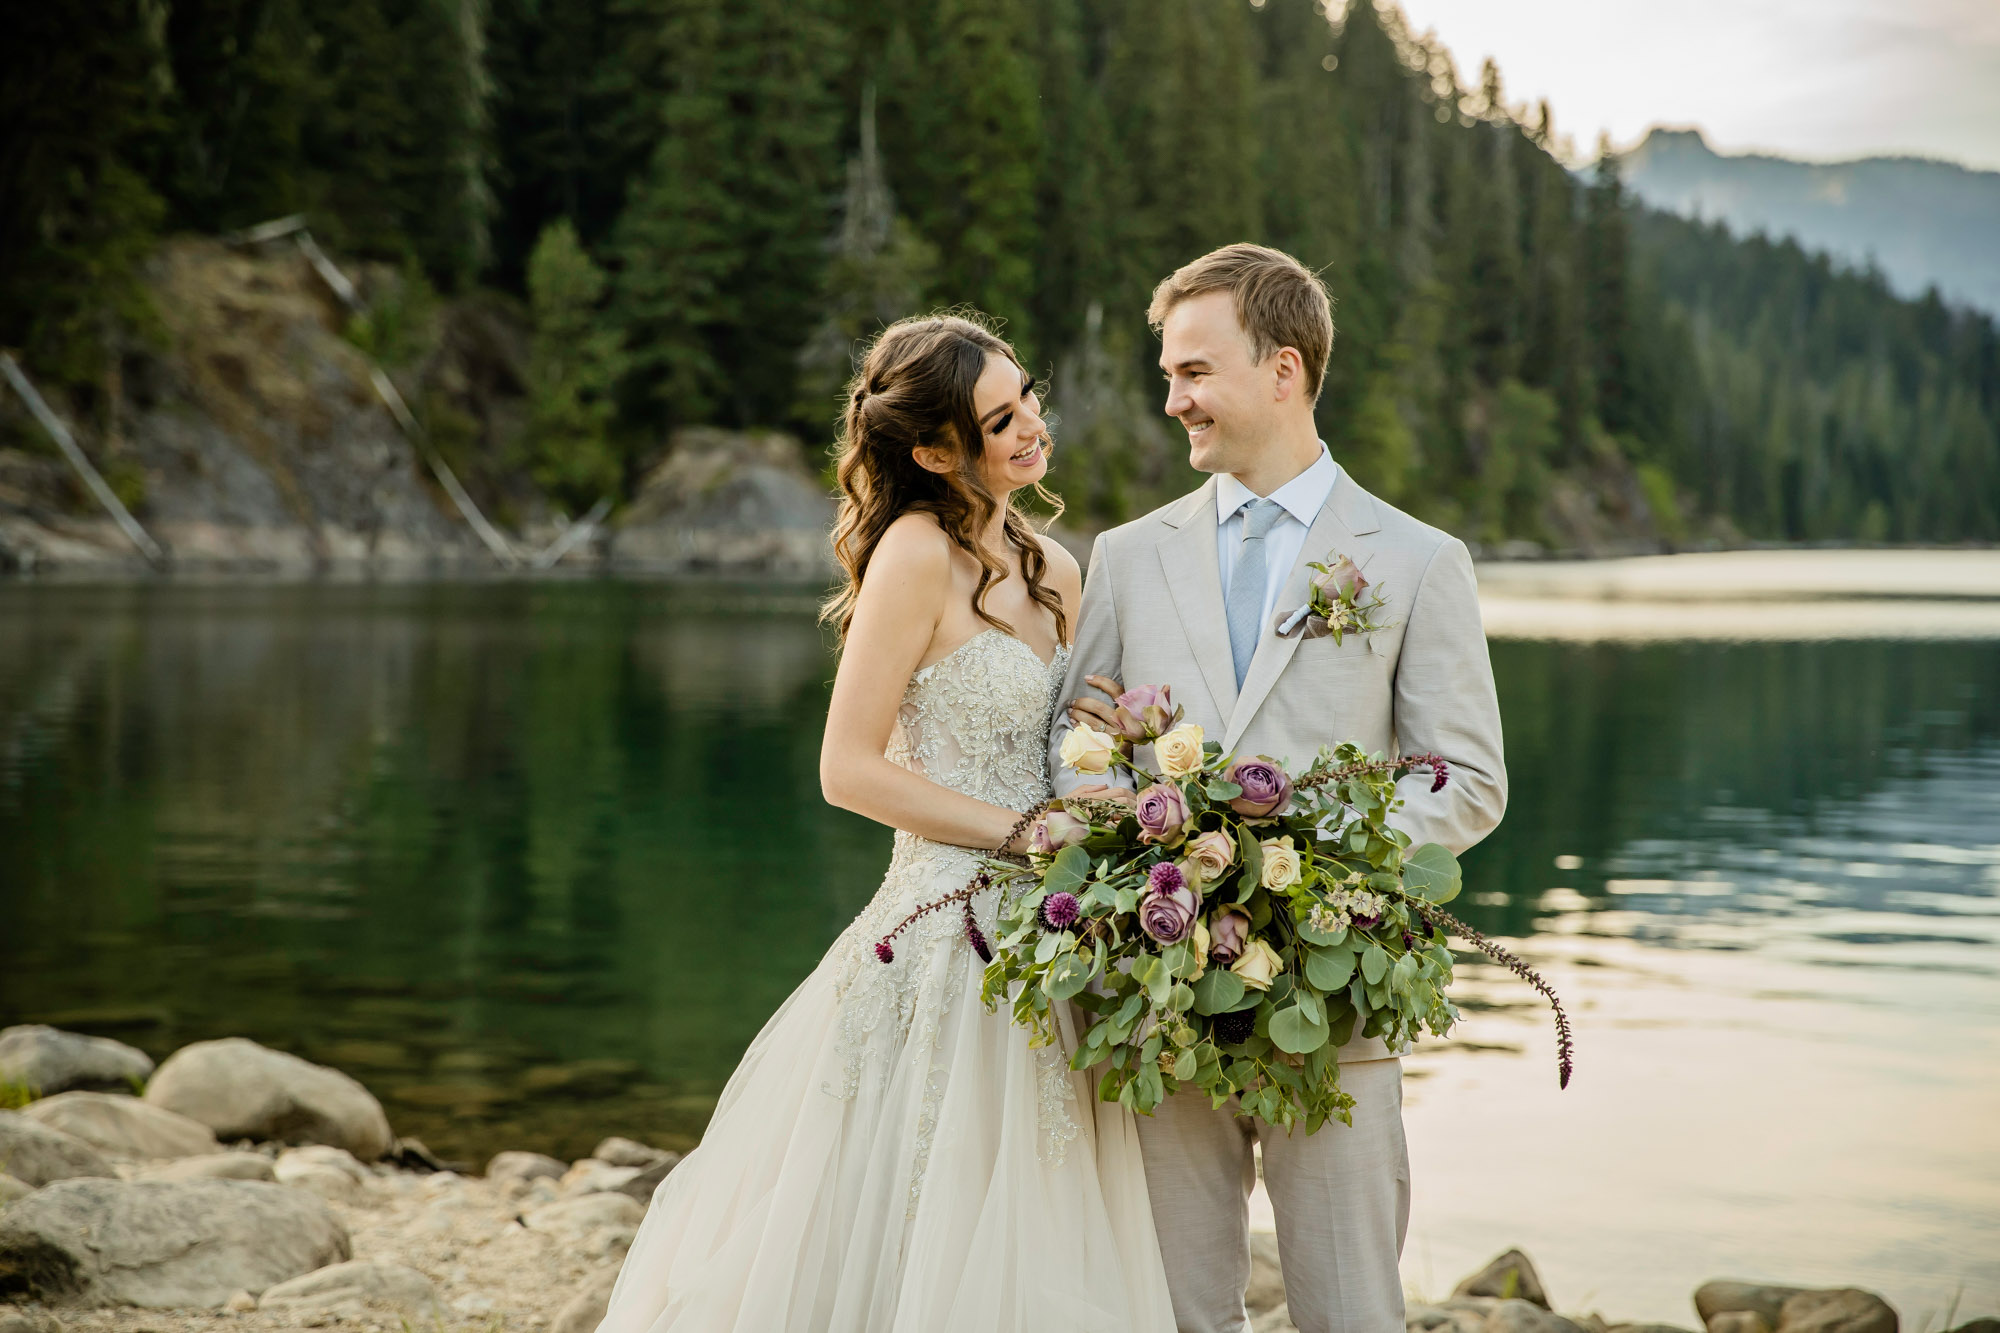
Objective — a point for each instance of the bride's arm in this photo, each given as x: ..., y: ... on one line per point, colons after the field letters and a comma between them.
x: 902, y: 600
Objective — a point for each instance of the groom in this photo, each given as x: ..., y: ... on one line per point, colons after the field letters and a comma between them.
x: 1191, y: 596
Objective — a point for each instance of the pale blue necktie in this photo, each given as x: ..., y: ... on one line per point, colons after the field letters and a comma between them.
x: 1246, y: 584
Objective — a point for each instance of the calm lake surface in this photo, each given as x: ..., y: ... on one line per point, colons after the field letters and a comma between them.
x: 535, y: 861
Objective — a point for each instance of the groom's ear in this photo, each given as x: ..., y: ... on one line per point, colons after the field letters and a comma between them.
x: 1289, y: 373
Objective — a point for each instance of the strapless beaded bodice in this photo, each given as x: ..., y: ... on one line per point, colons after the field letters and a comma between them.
x: 977, y: 720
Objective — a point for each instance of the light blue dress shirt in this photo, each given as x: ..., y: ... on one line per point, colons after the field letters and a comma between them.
x: 1301, y: 498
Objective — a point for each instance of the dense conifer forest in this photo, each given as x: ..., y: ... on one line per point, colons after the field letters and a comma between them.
x: 700, y: 207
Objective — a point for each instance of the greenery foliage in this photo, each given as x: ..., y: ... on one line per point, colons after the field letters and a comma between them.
x: 1509, y: 332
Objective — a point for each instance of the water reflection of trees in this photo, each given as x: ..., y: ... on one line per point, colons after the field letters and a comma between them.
x: 1611, y: 744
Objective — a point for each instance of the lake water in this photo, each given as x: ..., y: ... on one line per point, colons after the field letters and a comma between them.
x: 535, y: 861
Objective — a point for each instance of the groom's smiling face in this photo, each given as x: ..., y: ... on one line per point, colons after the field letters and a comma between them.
x: 1216, y: 388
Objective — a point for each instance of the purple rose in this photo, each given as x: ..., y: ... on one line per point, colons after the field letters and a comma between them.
x: 1168, y: 916
x: 1144, y: 711
x: 1162, y: 812
x: 1341, y: 581
x: 1266, y: 789
x: 1228, y: 932
x: 1056, y: 830
x: 1059, y: 911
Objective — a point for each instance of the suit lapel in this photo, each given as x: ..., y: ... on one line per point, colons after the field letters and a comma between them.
x: 1348, y: 513
x: 1187, y: 556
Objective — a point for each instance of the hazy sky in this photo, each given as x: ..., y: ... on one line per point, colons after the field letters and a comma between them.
x: 1821, y: 79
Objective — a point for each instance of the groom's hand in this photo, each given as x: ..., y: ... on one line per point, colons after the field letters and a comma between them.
x: 1098, y: 712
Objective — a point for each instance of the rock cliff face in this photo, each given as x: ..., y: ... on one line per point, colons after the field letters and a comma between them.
x: 253, y: 434
x: 251, y: 438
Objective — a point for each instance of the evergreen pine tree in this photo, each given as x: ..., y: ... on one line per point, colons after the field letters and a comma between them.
x: 573, y: 369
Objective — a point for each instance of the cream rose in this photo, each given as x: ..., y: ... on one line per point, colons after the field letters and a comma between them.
x: 1281, y: 863
x: 1179, y: 751
x: 1212, y: 853
x: 1088, y: 750
x: 1259, y: 966
x: 1199, y: 943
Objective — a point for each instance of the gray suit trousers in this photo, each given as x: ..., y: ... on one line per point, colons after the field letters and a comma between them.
x: 1342, y: 1199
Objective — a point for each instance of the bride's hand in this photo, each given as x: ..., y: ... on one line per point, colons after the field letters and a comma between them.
x: 1096, y: 712
x: 1097, y: 791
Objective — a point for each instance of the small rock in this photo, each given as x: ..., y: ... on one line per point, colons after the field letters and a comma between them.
x: 347, y: 1288
x: 163, y: 1245
x: 1267, y: 1279
x: 242, y: 1090
x: 590, y: 1176
x: 627, y: 1152
x: 213, y: 1166
x: 413, y: 1155
x: 1726, y: 1296
x: 641, y: 1186
x: 524, y: 1166
x: 1840, y: 1310
x: 47, y: 1061
x: 1738, y: 1321
x: 574, y: 1218
x: 36, y: 1154
x: 331, y: 1173
x: 241, y: 1303
x: 1443, y: 1318
x: 1649, y: 1328
x: 1519, y: 1316
x: 123, y: 1126
x: 1509, y: 1277
x: 584, y: 1310
x: 12, y: 1188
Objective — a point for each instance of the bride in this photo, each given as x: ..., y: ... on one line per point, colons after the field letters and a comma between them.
x: 890, y: 1157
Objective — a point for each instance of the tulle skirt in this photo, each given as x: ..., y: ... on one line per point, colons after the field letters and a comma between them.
x: 890, y: 1157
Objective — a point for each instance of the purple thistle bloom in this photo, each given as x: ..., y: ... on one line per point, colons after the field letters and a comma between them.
x: 1059, y: 911
x: 883, y: 952
x: 1409, y: 942
x: 1165, y: 877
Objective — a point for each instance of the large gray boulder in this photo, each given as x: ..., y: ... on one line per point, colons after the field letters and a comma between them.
x: 34, y: 1153
x: 162, y: 1245
x: 47, y: 1060
x: 123, y: 1126
x: 242, y: 1090
x: 347, y: 1289
x: 1519, y: 1316
x: 727, y: 503
x: 213, y: 1166
x: 524, y: 1166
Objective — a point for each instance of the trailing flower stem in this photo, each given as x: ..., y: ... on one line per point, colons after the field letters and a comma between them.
x: 1565, y: 1047
x: 885, y: 952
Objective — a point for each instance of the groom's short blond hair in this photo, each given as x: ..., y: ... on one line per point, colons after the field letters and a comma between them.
x: 1279, y: 302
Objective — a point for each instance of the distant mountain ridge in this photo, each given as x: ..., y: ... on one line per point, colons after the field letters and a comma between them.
x: 1923, y: 222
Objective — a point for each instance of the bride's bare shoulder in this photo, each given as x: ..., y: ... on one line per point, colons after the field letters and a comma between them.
x: 913, y: 554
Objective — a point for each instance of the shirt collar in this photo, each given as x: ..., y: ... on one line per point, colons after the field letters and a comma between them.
x: 1302, y: 497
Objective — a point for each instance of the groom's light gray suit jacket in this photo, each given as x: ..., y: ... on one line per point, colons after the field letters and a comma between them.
x: 1153, y: 614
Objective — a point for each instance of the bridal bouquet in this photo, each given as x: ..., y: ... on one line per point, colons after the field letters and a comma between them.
x: 1232, y: 926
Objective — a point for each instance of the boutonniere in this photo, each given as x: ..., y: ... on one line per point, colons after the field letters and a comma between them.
x: 1338, y: 601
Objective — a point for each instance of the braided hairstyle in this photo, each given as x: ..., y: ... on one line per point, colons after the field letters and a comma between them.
x: 915, y: 389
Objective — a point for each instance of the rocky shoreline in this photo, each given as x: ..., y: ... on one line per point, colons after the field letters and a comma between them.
x: 241, y: 1188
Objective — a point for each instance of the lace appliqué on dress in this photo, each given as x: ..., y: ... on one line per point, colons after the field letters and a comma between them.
x: 977, y: 721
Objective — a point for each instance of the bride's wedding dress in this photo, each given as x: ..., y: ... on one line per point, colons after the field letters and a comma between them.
x: 890, y: 1157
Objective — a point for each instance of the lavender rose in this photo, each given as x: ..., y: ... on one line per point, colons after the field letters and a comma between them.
x: 1167, y: 911
x: 1228, y: 932
x: 1145, y: 711
x: 1056, y: 830
x: 1266, y: 789
x: 1162, y: 813
x: 1341, y: 580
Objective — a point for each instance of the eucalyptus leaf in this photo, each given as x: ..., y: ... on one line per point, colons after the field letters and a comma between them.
x: 1067, y: 872
x: 1404, y: 972
x: 1185, y: 1065
x: 1329, y: 969
x: 1374, y: 963
x: 1432, y: 873
x: 1218, y: 991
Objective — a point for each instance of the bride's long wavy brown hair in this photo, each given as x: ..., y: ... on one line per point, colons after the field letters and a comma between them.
x: 915, y: 389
